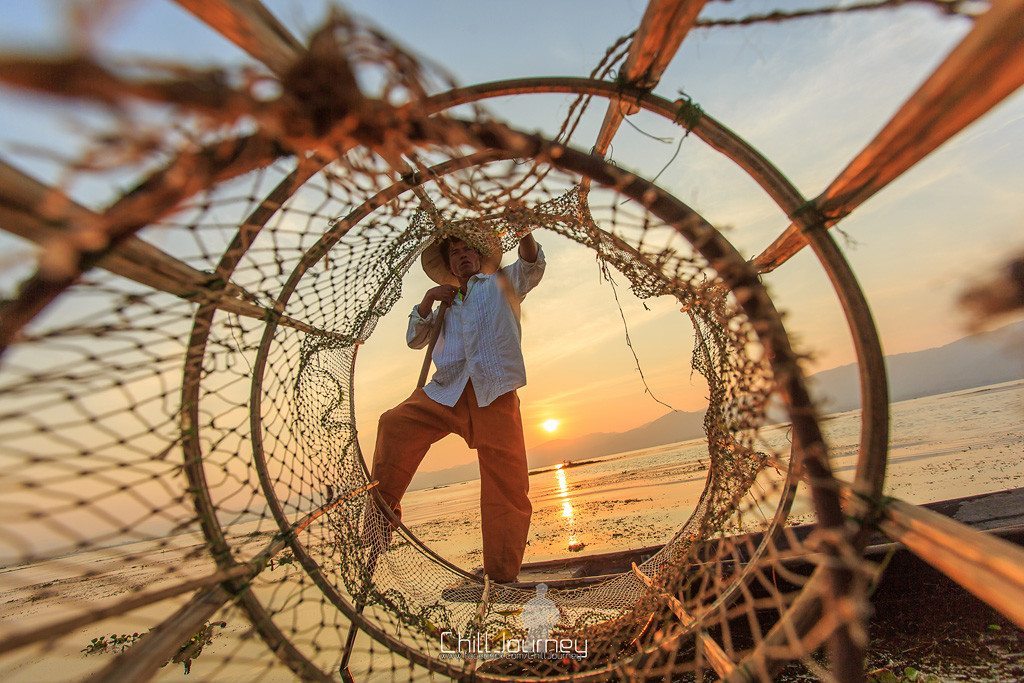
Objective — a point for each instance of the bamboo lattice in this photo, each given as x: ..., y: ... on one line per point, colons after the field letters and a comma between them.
x: 177, y: 378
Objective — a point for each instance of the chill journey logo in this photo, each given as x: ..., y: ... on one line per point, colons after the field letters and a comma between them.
x: 540, y: 614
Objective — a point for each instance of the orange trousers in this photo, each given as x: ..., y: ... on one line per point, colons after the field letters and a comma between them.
x: 406, y: 432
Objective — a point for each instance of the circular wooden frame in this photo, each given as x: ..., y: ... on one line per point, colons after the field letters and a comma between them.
x: 734, y: 271
x: 246, y: 154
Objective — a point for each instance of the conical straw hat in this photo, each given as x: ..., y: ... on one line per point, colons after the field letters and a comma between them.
x: 479, y: 236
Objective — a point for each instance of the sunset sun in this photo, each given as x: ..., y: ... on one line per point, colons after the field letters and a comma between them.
x: 550, y: 425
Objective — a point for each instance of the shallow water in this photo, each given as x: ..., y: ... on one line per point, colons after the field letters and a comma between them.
x: 944, y: 446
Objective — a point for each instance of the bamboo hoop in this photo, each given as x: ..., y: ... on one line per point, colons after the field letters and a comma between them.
x: 874, y: 391
x: 866, y: 476
x: 673, y: 213
x: 496, y: 140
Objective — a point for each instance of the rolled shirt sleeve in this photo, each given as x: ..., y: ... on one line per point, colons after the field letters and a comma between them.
x: 418, y: 333
x: 524, y: 275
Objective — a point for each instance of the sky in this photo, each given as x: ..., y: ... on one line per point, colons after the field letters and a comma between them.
x: 808, y: 94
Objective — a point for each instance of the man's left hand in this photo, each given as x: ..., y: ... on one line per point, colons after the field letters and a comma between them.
x: 528, y: 248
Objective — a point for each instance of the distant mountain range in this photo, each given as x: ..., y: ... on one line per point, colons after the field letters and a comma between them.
x: 978, y: 360
x: 975, y: 361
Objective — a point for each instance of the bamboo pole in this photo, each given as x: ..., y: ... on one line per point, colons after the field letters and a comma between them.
x: 434, y: 334
x: 21, y: 197
x: 153, y: 198
x: 984, y: 69
x: 252, y: 27
x: 24, y: 201
x: 140, y: 663
x: 989, y: 567
x: 714, y: 653
x: 54, y: 630
x: 143, y: 660
x: 481, y: 612
x: 662, y: 29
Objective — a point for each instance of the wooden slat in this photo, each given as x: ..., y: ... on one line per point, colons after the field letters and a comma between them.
x: 979, y: 73
x: 142, y: 661
x: 989, y: 567
x: 251, y: 26
x: 713, y: 652
x: 21, y: 200
x: 53, y: 630
x: 662, y: 29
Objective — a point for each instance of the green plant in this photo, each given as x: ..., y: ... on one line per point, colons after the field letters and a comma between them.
x: 114, y: 643
x: 194, y: 646
x: 190, y: 650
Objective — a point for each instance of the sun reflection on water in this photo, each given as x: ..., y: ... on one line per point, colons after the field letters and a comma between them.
x: 574, y: 542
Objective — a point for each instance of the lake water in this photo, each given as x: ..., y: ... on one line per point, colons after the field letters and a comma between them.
x: 944, y: 446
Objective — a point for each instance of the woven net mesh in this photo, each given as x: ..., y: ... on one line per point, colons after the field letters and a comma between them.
x: 181, y: 418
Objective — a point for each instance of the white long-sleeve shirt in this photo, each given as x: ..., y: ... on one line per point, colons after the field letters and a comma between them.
x: 481, y: 335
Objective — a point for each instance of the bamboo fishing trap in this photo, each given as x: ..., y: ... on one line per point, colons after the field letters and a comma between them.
x: 177, y: 377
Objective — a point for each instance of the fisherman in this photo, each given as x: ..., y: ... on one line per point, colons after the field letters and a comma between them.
x: 479, y: 365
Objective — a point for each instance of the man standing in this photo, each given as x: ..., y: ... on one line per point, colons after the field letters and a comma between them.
x: 479, y: 363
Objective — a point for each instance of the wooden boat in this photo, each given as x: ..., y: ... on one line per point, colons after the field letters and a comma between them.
x: 999, y: 513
